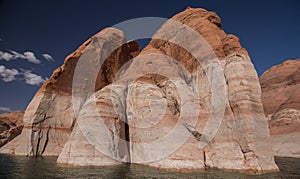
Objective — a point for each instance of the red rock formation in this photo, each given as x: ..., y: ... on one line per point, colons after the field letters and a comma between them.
x: 49, y: 118
x: 147, y: 94
x: 11, y: 125
x: 189, y: 74
x: 242, y: 140
x: 281, y: 99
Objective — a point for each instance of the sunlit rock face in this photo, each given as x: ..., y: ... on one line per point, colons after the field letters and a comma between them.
x: 190, y: 100
x: 49, y: 118
x: 281, y: 99
x: 148, y: 95
x: 242, y: 141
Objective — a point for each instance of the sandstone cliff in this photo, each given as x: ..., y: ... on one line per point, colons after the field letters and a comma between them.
x: 49, y: 118
x: 154, y: 95
x: 11, y: 125
x: 281, y: 99
x: 190, y: 100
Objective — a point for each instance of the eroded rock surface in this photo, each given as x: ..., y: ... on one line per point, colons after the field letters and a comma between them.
x: 242, y: 142
x: 152, y: 94
x: 189, y: 74
x: 281, y: 99
x: 49, y: 118
x: 11, y: 125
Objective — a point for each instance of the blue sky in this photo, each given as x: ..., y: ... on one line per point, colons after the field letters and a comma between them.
x: 32, y: 30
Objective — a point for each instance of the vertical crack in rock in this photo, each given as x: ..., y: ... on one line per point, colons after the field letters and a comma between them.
x: 204, y: 160
x: 34, y: 139
x: 127, y: 138
x: 46, y: 141
x: 126, y: 126
x: 197, y: 135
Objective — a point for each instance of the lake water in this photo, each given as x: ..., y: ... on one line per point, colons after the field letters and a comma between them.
x: 45, y: 167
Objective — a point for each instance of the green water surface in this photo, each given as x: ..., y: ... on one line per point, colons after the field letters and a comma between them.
x: 46, y: 167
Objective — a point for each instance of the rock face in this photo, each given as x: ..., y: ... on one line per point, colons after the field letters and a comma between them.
x: 49, y: 118
x: 281, y: 99
x: 242, y: 139
x: 11, y: 125
x: 154, y: 95
x: 190, y: 100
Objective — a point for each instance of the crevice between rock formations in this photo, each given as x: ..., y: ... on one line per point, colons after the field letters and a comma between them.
x: 127, y: 138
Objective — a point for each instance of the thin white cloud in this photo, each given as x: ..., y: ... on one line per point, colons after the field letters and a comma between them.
x: 8, y: 75
x: 5, y: 109
x: 32, y: 79
x: 1, y: 40
x: 48, y: 57
x: 31, y: 57
x: 12, y: 55
x: 6, y: 56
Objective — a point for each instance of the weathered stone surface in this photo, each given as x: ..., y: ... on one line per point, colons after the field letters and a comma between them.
x: 49, y: 118
x: 11, y: 125
x: 280, y: 86
x: 149, y: 95
x: 242, y: 142
x: 91, y: 144
x: 157, y: 110
x: 281, y: 99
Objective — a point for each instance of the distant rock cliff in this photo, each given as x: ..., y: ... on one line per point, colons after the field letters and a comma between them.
x: 11, y: 125
x: 281, y: 99
x: 140, y: 115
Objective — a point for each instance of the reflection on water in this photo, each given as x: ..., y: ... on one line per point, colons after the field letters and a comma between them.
x: 45, y: 167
